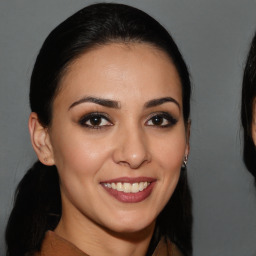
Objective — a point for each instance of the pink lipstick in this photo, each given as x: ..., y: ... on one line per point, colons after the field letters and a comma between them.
x: 129, y: 190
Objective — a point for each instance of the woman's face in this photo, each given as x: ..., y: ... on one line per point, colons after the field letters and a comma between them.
x: 118, y: 137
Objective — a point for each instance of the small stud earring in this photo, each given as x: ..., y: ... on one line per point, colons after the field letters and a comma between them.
x: 185, y: 161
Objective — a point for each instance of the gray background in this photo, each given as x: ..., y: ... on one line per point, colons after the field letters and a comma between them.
x: 214, y: 38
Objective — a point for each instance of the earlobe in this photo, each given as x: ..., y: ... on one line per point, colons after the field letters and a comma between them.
x: 40, y: 140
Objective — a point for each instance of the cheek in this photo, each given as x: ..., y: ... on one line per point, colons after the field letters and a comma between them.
x: 170, y: 151
x: 79, y: 163
x: 77, y: 155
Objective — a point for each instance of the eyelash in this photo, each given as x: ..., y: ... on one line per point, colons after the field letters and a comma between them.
x: 90, y: 116
x: 166, y: 117
x: 163, y: 116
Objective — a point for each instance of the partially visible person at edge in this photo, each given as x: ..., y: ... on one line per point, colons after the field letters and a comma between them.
x: 110, y: 104
x: 248, y: 111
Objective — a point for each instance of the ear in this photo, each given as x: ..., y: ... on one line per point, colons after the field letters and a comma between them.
x: 254, y: 121
x: 40, y: 140
x: 187, y: 150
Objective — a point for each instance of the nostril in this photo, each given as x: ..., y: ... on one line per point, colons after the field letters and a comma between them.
x: 134, y: 161
x: 131, y: 149
x: 123, y: 163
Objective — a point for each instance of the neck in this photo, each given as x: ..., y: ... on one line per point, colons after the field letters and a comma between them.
x: 94, y: 239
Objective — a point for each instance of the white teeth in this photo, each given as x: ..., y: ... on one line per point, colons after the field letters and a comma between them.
x: 119, y: 186
x: 128, y: 187
x: 141, y: 186
x: 135, y: 187
x: 113, y: 185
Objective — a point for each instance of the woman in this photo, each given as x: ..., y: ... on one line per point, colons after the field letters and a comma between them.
x: 248, y: 112
x: 110, y: 97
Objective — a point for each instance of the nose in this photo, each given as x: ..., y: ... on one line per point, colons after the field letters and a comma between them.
x: 132, y: 148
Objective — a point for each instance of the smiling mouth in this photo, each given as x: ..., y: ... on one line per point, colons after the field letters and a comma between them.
x: 129, y: 190
x: 127, y: 187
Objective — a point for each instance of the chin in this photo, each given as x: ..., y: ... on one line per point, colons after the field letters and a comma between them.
x: 132, y: 225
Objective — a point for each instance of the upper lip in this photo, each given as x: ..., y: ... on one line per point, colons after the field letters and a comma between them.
x: 130, y: 180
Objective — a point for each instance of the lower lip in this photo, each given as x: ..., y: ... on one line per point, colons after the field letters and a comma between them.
x: 130, y: 197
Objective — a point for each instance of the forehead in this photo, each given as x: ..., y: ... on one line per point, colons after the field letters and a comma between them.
x: 119, y: 70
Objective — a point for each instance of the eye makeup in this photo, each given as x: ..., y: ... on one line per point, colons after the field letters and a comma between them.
x: 161, y: 120
x: 99, y: 120
x: 95, y: 120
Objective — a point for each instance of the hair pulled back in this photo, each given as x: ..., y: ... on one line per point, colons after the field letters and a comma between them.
x: 248, y: 96
x: 37, y: 205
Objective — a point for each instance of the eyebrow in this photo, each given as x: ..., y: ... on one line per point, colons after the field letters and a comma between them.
x: 160, y: 101
x: 115, y: 104
x: 103, y: 102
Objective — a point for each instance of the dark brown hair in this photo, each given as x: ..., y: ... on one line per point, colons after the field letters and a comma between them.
x: 248, y: 96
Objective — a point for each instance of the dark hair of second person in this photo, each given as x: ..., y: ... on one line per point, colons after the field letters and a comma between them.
x: 248, y: 109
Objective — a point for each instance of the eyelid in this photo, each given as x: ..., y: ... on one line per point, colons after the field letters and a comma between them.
x: 82, y: 121
x: 169, y: 117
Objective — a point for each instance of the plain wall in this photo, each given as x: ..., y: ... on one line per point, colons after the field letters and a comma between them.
x: 214, y: 38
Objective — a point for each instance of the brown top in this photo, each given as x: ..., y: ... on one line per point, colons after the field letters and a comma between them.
x: 54, y: 245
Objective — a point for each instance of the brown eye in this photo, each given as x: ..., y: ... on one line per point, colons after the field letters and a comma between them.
x: 162, y: 120
x: 157, y: 120
x: 95, y: 121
